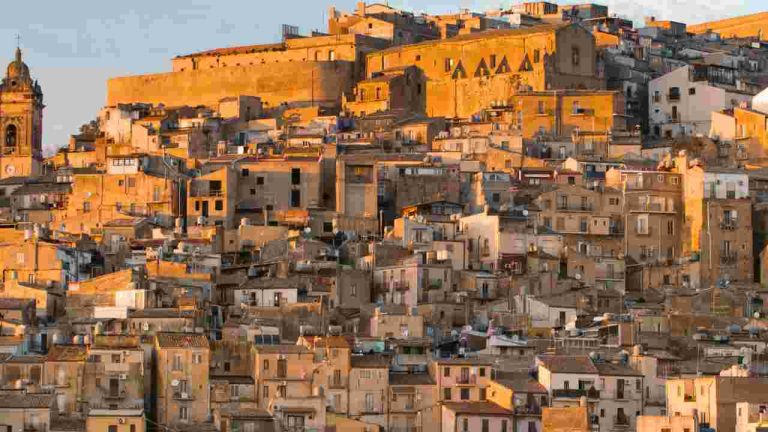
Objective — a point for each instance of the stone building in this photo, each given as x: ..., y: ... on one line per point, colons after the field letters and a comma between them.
x: 21, y: 120
x: 467, y: 73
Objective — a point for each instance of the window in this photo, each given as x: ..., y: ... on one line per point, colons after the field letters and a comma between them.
x: 671, y: 227
x: 197, y: 358
x: 244, y: 172
x: 575, y: 56
x: 176, y: 362
x: 575, y: 109
x: 482, y: 371
x: 504, y: 426
x: 369, y: 402
x: 483, y: 394
x: 265, y: 392
x: 282, y: 368
x: 259, y: 180
x: 86, y: 207
x: 464, y: 394
x: 184, y: 413
x: 295, y: 176
x: 692, y: 91
x: 536, y: 56
x: 485, y: 425
x: 253, y: 191
x: 447, y: 394
x: 115, y: 358
x: 448, y: 65
x: 10, y: 136
x: 282, y: 391
x: 465, y: 425
x: 295, y: 198
x: 131, y: 182
x: 112, y: 428
x: 446, y: 372
x: 496, y: 197
x: 540, y: 108
x: 493, y: 61
x: 120, y: 182
x: 218, y: 205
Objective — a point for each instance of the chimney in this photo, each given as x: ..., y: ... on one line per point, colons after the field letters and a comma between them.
x: 361, y: 8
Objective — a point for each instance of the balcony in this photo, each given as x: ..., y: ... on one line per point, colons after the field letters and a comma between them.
x: 183, y: 396
x: 337, y: 383
x: 434, y: 284
x: 112, y: 395
x: 401, y: 285
x: 206, y: 193
x: 576, y: 393
x: 728, y: 258
x: 621, y: 422
x: 466, y: 380
x: 575, y: 207
x: 531, y: 410
x: 728, y: 225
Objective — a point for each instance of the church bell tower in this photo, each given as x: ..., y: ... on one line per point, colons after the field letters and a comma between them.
x: 21, y: 122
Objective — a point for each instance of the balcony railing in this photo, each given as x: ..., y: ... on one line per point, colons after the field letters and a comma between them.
x: 574, y: 207
x: 621, y: 422
x: 206, y: 193
x: 401, y: 285
x: 728, y: 258
x: 471, y: 379
x: 576, y: 393
x: 183, y: 396
x: 337, y: 383
x: 728, y: 225
x: 435, y: 284
x: 528, y: 410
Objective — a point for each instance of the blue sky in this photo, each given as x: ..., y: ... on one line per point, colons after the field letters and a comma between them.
x: 73, y: 47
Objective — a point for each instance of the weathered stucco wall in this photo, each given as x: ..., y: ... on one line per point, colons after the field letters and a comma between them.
x: 323, y: 82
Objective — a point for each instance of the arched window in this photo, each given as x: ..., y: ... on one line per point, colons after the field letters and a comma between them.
x: 10, y: 136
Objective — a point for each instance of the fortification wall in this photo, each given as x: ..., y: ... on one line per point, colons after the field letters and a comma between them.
x: 743, y: 26
x: 323, y: 82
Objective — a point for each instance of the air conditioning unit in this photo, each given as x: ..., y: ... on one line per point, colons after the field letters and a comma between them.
x: 123, y: 376
x: 185, y: 395
x: 281, y: 357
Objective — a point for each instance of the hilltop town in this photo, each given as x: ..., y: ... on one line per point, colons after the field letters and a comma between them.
x: 545, y: 218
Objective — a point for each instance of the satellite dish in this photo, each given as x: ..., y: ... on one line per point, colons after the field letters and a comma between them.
x: 307, y: 230
x: 175, y: 383
x: 577, y: 276
x: 525, y: 212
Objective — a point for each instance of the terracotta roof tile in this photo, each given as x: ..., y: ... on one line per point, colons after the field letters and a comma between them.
x: 181, y: 340
x: 13, y: 400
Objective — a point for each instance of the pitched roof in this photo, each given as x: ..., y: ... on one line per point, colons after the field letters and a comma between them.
x: 410, y: 379
x: 613, y: 369
x: 569, y: 364
x: 478, y: 408
x: 521, y: 383
x: 181, y: 340
x: 67, y: 353
x: 16, y: 400
x: 374, y: 361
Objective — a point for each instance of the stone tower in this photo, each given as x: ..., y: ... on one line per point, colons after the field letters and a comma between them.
x: 21, y: 121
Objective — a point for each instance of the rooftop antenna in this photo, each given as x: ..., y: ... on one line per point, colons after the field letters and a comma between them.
x: 18, y: 40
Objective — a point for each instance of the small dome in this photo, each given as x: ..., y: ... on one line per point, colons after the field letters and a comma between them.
x: 17, y: 68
